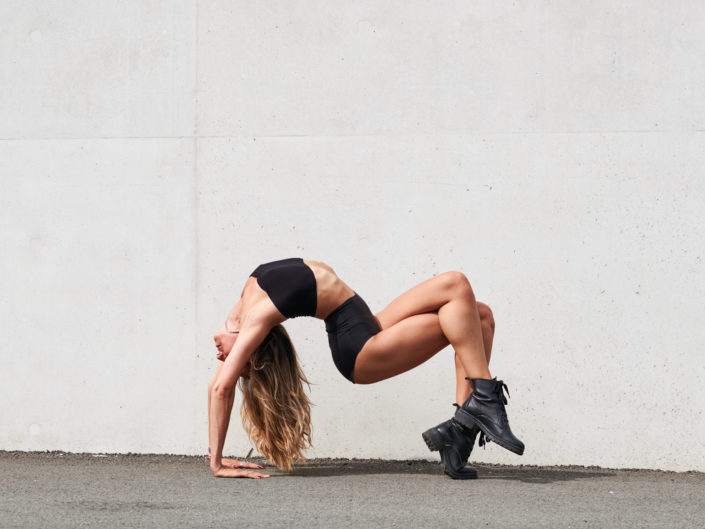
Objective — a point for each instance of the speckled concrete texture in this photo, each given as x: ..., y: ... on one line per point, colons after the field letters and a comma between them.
x: 154, y: 152
x: 40, y: 490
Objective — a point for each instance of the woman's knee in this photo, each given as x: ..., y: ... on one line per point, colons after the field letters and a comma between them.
x: 457, y: 283
x: 486, y: 316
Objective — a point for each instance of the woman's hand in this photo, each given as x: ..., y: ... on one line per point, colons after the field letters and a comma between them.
x: 225, y: 472
x: 234, y: 463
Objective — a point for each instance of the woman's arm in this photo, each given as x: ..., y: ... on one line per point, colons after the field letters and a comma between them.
x: 226, y: 462
x: 210, y: 389
x: 222, y: 391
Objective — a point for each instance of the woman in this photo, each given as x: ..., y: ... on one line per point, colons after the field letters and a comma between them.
x: 255, y: 349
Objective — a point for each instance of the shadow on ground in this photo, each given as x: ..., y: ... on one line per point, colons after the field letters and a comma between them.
x: 321, y: 468
x: 526, y: 474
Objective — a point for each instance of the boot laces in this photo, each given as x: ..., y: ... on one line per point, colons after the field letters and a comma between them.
x: 483, y: 440
x: 502, y: 388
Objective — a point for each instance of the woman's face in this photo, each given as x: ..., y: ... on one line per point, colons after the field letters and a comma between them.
x: 224, y: 340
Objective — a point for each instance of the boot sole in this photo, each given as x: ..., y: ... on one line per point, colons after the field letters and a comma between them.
x: 432, y: 440
x: 470, y: 473
x: 469, y: 421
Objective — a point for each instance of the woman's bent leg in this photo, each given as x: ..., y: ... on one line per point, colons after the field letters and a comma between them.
x: 399, y: 348
x: 487, y: 324
x: 420, y: 338
x: 403, y: 343
x: 460, y: 321
x: 451, y: 296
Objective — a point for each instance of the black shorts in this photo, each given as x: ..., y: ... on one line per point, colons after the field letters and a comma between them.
x: 349, y: 327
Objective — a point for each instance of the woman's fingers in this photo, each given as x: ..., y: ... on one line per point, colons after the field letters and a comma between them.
x: 255, y: 475
x: 234, y: 463
x: 225, y: 472
x: 247, y: 464
x: 242, y: 473
x: 230, y: 472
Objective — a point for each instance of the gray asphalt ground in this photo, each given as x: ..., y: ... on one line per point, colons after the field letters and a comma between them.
x: 53, y: 490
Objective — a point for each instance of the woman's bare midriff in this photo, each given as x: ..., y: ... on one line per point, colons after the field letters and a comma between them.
x: 330, y: 289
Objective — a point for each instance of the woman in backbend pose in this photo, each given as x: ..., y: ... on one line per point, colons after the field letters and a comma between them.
x: 255, y: 349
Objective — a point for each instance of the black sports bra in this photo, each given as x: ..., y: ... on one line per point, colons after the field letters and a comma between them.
x: 291, y: 286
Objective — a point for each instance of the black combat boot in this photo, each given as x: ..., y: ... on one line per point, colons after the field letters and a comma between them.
x: 455, y: 443
x: 485, y: 409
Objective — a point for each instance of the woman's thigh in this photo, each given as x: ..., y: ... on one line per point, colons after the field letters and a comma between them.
x: 427, y: 296
x: 398, y: 348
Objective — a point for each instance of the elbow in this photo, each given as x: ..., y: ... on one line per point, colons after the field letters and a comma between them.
x: 221, y: 391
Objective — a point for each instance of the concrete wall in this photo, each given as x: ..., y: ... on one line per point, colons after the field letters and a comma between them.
x: 152, y: 153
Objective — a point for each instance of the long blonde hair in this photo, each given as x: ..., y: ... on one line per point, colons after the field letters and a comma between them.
x: 275, y: 411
